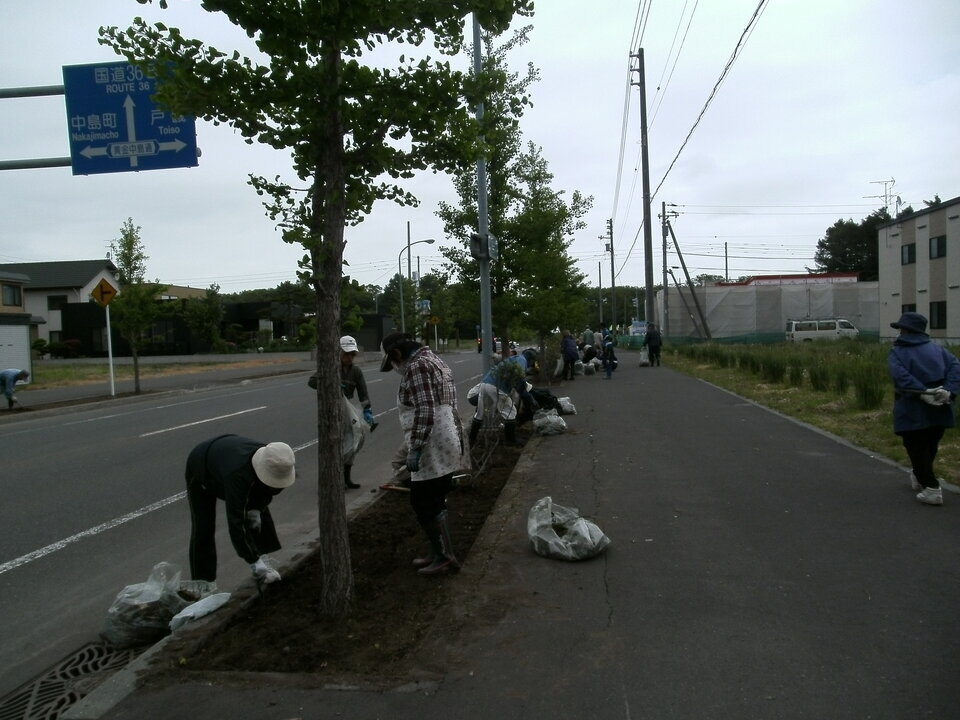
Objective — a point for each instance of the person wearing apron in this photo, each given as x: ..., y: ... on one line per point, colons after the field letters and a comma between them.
x: 433, y: 436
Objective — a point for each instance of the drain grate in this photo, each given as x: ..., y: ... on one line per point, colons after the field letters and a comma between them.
x: 50, y: 694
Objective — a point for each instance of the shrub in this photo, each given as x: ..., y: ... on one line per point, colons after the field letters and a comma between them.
x: 40, y: 347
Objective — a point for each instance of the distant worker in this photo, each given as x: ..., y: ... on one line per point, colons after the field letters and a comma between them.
x: 926, y: 380
x: 8, y: 384
x: 609, y: 356
x: 495, y: 394
x: 569, y: 353
x: 351, y: 380
x: 246, y: 475
x: 653, y: 342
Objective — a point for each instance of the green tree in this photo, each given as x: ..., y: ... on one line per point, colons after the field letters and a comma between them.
x: 129, y: 255
x: 136, y: 308
x: 848, y: 246
x: 534, y: 277
x: 204, y: 315
x: 354, y: 129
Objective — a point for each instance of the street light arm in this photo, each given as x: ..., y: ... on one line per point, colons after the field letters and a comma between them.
x: 403, y: 317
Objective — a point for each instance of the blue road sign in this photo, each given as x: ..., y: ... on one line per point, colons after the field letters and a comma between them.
x: 114, y: 125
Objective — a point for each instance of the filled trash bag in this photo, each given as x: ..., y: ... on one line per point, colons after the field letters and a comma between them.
x: 567, y: 407
x: 141, y: 613
x: 559, y: 532
x: 548, y: 422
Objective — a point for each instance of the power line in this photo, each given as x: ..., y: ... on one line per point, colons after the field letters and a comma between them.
x: 740, y: 43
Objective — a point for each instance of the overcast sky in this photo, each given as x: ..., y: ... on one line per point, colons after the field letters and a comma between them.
x: 826, y: 100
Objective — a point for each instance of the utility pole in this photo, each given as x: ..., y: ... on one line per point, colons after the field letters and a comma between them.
x: 600, y: 289
x: 693, y: 292
x: 613, y: 281
x: 486, y: 249
x: 665, y: 309
x: 645, y: 167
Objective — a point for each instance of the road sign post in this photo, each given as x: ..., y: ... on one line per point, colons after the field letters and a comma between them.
x: 115, y: 126
x: 103, y: 293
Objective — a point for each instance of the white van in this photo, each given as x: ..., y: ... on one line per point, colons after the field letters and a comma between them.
x: 825, y: 329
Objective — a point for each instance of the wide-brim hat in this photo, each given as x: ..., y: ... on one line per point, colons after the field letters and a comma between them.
x: 912, y: 321
x: 389, y: 343
x: 275, y: 465
x: 348, y: 344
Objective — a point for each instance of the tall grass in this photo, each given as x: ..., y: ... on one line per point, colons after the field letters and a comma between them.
x: 869, y: 385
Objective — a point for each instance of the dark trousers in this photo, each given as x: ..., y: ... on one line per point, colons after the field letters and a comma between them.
x: 203, y: 528
x: 654, y: 356
x: 568, y: 368
x: 428, y: 498
x: 921, y: 447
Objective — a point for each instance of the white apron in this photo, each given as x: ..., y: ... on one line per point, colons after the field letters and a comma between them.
x: 444, y: 451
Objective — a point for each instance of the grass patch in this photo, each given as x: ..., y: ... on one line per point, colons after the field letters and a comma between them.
x: 47, y: 375
x: 848, y: 393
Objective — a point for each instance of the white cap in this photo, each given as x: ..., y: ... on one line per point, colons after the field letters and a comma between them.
x: 348, y: 344
x: 275, y: 465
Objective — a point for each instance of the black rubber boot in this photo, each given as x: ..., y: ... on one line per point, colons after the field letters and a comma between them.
x: 348, y: 483
x: 510, y: 431
x: 475, y: 426
x: 444, y: 560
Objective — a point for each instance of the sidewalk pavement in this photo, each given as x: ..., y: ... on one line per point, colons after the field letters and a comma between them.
x: 758, y: 569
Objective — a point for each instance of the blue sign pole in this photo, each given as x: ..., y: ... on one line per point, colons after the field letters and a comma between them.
x: 114, y: 125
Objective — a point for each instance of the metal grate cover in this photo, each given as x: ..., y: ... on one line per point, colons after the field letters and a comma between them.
x: 50, y: 694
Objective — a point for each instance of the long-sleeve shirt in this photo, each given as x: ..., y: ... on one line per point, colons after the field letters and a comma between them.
x: 505, y: 377
x: 427, y: 383
x: 222, y: 465
x: 8, y: 381
x: 916, y: 364
x: 351, y: 379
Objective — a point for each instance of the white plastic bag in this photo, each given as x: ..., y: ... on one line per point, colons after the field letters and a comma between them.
x: 567, y: 407
x: 199, y: 609
x: 559, y: 532
x: 644, y: 357
x: 354, y: 431
x: 548, y: 422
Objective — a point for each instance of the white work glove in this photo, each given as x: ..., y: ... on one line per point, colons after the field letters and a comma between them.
x: 934, y: 396
x: 263, y: 572
x: 253, y: 520
x: 943, y: 395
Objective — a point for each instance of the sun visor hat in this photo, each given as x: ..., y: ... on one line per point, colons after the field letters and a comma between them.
x: 275, y: 465
x: 389, y: 343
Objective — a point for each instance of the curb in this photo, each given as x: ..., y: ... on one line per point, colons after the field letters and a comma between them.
x: 126, y: 681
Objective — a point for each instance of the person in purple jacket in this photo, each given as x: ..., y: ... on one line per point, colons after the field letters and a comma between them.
x: 926, y: 380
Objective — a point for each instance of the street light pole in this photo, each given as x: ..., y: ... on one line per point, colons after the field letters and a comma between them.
x: 429, y: 241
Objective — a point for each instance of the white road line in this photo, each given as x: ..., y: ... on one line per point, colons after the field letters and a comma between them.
x: 61, y: 544
x: 201, y: 422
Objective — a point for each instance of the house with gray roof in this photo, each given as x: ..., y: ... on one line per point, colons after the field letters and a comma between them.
x: 51, y: 285
x: 15, y: 323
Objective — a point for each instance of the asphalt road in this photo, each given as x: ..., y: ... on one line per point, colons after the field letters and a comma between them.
x: 94, y: 498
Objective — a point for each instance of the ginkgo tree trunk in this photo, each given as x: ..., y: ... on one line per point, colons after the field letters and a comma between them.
x: 355, y: 130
